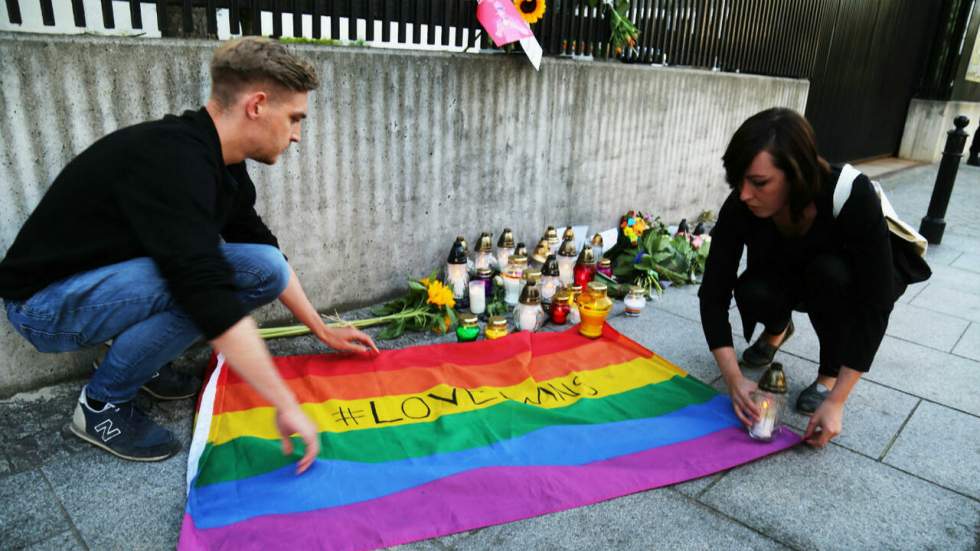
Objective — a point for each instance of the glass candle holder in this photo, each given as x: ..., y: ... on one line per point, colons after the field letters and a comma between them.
x: 457, y: 273
x: 574, y: 315
x: 635, y: 301
x: 584, y: 267
x: 478, y: 297
x: 512, y: 277
x: 485, y: 275
x: 561, y: 307
x: 597, y: 245
x: 551, y: 237
x: 528, y: 315
x: 594, y: 307
x: 604, y: 267
x: 467, y: 330
x: 505, y: 248
x: 566, y: 261
x: 770, y: 398
x: 496, y: 328
x: 484, y: 251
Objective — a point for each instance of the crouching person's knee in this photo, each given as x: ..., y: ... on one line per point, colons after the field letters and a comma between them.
x: 261, y: 272
x: 276, y: 269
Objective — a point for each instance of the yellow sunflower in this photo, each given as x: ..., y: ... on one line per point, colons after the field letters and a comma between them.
x: 531, y: 10
x: 440, y: 295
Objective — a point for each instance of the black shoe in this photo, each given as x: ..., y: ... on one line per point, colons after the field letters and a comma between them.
x: 811, y: 398
x: 761, y: 353
x: 166, y: 384
x: 170, y: 384
x: 123, y: 430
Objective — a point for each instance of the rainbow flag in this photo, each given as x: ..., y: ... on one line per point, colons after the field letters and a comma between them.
x: 432, y: 440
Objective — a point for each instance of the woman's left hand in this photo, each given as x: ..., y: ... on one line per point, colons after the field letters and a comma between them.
x: 347, y: 339
x: 825, y: 424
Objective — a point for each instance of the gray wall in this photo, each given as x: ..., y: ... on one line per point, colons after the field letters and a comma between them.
x: 401, y: 151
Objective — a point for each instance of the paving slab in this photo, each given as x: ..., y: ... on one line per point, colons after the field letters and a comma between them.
x: 30, y: 512
x: 836, y: 499
x: 684, y: 304
x: 951, y: 277
x: 873, y: 415
x: 64, y: 541
x: 676, y: 338
x: 658, y: 519
x: 695, y: 487
x: 942, y: 255
x: 943, y: 378
x: 911, y: 292
x: 967, y: 261
x: 940, y: 445
x: 949, y: 301
x: 932, y: 329
x: 112, y: 501
x: 969, y: 345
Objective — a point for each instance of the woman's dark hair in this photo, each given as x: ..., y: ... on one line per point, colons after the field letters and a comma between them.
x: 790, y: 139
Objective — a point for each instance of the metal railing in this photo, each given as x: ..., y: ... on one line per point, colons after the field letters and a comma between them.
x: 771, y: 37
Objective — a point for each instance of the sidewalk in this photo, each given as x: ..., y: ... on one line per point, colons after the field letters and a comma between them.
x: 903, y: 475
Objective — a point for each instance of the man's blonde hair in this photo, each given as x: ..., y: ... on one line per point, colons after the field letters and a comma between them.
x: 239, y: 63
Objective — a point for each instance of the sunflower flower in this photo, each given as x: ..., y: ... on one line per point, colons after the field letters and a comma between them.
x: 440, y: 294
x: 530, y: 10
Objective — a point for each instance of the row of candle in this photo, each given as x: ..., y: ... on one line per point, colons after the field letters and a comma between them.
x: 560, y: 257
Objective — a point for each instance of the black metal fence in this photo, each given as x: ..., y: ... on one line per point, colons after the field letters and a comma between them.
x: 771, y: 37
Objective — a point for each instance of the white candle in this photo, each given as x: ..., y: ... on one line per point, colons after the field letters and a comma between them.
x: 566, y: 269
x: 478, y: 297
x: 512, y: 289
x: 763, y: 428
x: 574, y: 316
x: 528, y: 319
x: 503, y: 256
x: 549, y: 286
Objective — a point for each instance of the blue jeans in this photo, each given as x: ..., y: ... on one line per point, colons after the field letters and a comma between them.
x: 131, y: 303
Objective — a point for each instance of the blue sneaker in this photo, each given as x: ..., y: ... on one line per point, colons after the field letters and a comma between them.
x: 166, y: 384
x: 123, y: 430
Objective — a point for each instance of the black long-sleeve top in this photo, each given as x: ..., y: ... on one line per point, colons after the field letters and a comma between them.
x: 859, y: 234
x: 158, y: 189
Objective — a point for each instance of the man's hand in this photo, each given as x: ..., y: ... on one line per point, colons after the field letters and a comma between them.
x: 741, y: 394
x: 824, y: 424
x: 291, y: 421
x: 347, y: 339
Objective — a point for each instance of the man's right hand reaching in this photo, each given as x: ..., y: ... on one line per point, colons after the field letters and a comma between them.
x: 291, y: 421
x: 247, y: 354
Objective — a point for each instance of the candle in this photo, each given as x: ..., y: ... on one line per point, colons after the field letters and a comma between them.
x: 635, y: 301
x: 496, y: 328
x: 478, y: 296
x: 467, y: 330
x: 762, y: 429
x: 512, y: 289
x: 770, y: 398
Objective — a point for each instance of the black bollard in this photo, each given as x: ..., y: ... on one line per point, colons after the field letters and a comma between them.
x: 974, y: 158
x: 933, y: 223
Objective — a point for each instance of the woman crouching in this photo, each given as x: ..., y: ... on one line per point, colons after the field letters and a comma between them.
x: 837, y: 269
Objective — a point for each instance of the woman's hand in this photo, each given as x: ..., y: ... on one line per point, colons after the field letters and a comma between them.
x: 825, y: 424
x: 347, y: 339
x: 741, y: 393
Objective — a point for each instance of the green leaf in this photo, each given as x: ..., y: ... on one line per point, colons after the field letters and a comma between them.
x: 416, y: 286
x: 392, y: 330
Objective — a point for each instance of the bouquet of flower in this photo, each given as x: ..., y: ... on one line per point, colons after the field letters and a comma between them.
x: 428, y: 305
x: 650, y: 256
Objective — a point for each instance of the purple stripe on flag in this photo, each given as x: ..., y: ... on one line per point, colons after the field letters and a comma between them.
x: 484, y: 497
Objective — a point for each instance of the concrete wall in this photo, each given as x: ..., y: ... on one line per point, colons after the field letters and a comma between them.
x: 401, y: 151
x: 927, y: 124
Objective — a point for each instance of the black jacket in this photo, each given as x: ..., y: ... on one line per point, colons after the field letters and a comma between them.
x: 158, y: 189
x: 859, y: 234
